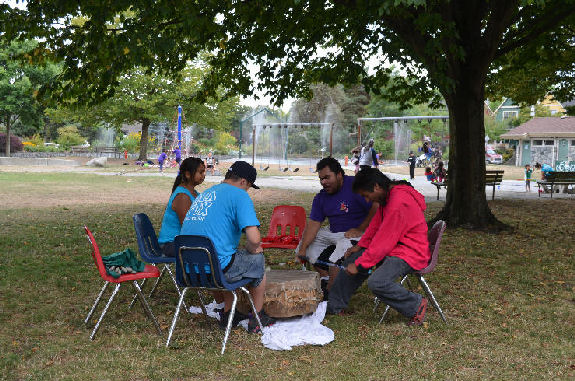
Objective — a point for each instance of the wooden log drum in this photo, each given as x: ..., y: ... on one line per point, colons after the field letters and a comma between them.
x: 288, y: 293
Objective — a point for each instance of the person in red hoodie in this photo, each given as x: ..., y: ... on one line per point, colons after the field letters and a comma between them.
x: 395, y: 241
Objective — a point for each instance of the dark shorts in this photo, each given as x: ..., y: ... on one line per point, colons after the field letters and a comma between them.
x: 246, y: 265
x: 210, y: 166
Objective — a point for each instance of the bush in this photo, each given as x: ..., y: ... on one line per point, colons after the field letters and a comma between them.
x: 224, y: 143
x: 131, y: 142
x: 506, y: 153
x: 15, y: 143
x: 69, y: 136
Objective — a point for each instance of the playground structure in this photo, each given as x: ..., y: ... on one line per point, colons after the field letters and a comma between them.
x: 401, y: 133
x: 278, y: 142
x: 181, y: 137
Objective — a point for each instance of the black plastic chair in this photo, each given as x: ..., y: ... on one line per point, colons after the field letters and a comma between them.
x: 198, y: 266
x: 434, y: 237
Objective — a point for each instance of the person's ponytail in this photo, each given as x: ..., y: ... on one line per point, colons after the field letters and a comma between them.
x: 177, y: 182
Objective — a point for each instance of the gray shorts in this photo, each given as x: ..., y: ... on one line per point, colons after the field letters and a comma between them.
x: 246, y: 265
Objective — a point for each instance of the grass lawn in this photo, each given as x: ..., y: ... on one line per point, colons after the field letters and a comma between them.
x: 509, y: 298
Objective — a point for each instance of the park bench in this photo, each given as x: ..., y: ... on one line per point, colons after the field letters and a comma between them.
x: 109, y: 150
x: 492, y: 178
x: 78, y: 149
x: 555, y: 178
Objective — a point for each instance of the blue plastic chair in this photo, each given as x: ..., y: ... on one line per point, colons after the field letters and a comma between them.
x: 198, y: 266
x: 150, y: 252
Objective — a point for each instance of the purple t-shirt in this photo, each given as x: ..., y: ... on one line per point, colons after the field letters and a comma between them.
x: 344, y: 210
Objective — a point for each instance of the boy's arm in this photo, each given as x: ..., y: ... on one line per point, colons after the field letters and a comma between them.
x: 253, y: 240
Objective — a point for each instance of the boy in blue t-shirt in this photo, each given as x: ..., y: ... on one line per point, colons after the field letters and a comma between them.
x: 222, y: 213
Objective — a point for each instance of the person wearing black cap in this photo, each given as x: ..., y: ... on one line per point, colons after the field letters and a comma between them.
x: 222, y: 213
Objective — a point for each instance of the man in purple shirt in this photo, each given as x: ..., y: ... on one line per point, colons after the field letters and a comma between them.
x: 348, y: 214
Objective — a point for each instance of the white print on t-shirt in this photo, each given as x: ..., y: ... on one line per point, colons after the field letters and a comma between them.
x: 199, y: 209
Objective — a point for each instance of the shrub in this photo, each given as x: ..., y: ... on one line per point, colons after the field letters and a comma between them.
x: 69, y: 136
x: 224, y: 143
x: 15, y: 143
x: 131, y: 142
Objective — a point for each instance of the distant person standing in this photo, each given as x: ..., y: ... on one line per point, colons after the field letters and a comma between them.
x: 367, y: 157
x: 528, y: 172
x: 210, y: 162
x: 162, y: 159
x: 178, y: 154
x: 411, y: 160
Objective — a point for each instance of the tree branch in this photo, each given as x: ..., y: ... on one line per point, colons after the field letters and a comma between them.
x: 544, y: 23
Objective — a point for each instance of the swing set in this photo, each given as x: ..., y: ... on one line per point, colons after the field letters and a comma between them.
x: 396, y: 120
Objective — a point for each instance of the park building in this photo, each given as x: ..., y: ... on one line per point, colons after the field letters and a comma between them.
x: 544, y: 140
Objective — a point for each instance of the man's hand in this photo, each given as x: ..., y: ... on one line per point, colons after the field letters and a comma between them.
x: 351, y: 250
x: 351, y: 269
x: 300, y: 256
x: 353, y: 233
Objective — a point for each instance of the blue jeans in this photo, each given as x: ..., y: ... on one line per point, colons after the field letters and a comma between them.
x: 382, y: 282
x: 246, y: 265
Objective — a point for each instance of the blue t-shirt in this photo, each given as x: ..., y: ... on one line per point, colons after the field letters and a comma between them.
x: 171, y: 223
x: 345, y: 210
x: 221, y: 213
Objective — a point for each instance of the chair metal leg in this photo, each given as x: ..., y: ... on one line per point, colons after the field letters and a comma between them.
x: 175, y: 319
x: 253, y: 306
x: 171, y: 273
x: 376, y: 303
x: 98, y: 298
x: 97, y: 326
x: 430, y: 294
x: 387, y: 307
x: 202, y: 303
x: 230, y: 320
x: 136, y: 295
x: 157, y: 281
x: 146, y: 306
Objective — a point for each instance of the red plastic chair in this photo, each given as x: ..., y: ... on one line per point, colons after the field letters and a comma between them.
x: 434, y: 236
x: 149, y: 272
x: 291, y: 222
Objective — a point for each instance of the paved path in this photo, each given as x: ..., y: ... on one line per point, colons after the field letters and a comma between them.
x: 509, y: 189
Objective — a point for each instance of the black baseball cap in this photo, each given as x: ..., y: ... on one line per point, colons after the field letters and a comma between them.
x: 244, y: 170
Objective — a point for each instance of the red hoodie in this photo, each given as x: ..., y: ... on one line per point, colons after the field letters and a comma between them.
x: 397, y: 229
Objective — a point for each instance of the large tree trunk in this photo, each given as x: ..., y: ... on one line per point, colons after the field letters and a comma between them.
x: 8, y: 125
x: 466, y: 203
x: 144, y: 140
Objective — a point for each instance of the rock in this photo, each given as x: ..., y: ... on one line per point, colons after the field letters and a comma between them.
x: 97, y: 162
x: 288, y: 293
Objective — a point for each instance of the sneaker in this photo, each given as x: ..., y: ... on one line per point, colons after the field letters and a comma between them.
x: 419, y: 316
x: 224, y: 316
x: 253, y: 326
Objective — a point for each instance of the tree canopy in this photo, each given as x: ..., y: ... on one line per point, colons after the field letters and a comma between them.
x: 458, y: 47
x: 19, y: 83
